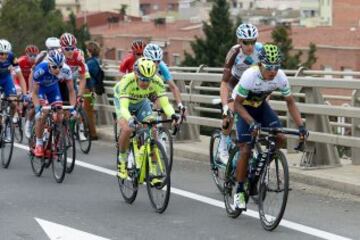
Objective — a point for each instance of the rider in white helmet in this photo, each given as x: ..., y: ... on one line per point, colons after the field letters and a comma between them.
x: 239, y: 58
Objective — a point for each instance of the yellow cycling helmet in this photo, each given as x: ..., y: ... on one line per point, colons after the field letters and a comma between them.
x: 145, y: 68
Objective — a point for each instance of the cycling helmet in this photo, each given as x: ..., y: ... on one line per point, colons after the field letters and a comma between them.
x: 153, y: 52
x: 270, y: 54
x: 67, y: 39
x: 247, y: 32
x: 56, y: 58
x: 52, y: 43
x: 145, y: 68
x: 5, y: 46
x: 138, y: 46
x: 32, y: 50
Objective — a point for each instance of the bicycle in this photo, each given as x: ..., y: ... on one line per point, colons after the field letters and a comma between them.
x: 55, y: 149
x: 268, y: 173
x: 82, y: 130
x: 7, y: 128
x: 147, y: 162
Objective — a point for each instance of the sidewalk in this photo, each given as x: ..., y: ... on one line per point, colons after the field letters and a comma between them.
x: 345, y: 178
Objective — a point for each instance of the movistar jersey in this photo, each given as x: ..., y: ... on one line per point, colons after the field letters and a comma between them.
x: 254, y: 89
x: 128, y: 92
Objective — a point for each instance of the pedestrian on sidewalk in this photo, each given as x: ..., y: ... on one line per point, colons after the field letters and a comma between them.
x: 93, y: 64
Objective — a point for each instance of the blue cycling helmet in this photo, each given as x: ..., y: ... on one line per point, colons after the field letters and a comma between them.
x: 56, y: 58
x: 153, y: 52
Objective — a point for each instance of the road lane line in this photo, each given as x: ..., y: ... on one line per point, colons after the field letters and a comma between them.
x: 213, y: 202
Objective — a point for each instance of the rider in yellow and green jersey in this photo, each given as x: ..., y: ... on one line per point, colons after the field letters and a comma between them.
x: 132, y: 95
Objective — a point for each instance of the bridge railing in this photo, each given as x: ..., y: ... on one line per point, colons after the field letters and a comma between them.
x: 334, y: 119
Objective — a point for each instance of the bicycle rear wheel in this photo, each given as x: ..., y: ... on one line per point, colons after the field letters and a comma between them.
x: 158, y: 182
x: 166, y: 139
x: 129, y: 186
x: 217, y: 169
x: 83, y: 132
x: 273, y: 191
x: 7, y: 142
x: 70, y: 148
x: 37, y: 164
x: 230, y: 185
x: 58, y: 153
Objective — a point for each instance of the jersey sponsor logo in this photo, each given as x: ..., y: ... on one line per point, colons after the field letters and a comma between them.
x: 38, y: 73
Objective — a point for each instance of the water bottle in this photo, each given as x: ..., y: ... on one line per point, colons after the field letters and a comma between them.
x: 45, y: 135
x: 261, y: 159
x: 252, y: 167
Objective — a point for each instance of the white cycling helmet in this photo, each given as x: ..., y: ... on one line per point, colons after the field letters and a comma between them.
x: 5, y: 46
x: 52, y: 43
x: 247, y: 31
x: 153, y: 52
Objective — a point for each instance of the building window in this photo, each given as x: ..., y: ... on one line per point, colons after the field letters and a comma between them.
x: 119, y: 54
x: 176, y: 59
x: 251, y: 5
x: 234, y: 4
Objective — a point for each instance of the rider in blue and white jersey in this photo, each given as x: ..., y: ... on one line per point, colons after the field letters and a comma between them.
x: 46, y: 77
x: 154, y: 52
x: 239, y: 58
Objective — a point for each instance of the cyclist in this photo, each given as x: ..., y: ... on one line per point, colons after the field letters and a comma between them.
x: 46, y: 77
x: 249, y: 95
x: 51, y: 43
x: 131, y: 94
x: 137, y: 49
x: 26, y: 62
x: 239, y: 58
x: 155, y: 53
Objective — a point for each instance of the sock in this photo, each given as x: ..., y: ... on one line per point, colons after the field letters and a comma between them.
x: 240, y: 187
x: 123, y: 156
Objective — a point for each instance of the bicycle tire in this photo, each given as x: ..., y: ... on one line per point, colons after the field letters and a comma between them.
x: 70, y: 148
x: 279, y: 158
x: 215, y: 168
x: 37, y: 164
x: 7, y: 147
x: 164, y: 186
x: 130, y: 183
x: 229, y: 186
x: 166, y: 138
x: 85, y: 145
x: 58, y: 154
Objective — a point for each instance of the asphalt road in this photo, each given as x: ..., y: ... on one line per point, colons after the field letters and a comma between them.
x: 89, y: 201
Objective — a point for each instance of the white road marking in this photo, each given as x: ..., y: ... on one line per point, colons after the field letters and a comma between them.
x: 213, y: 202
x: 60, y: 232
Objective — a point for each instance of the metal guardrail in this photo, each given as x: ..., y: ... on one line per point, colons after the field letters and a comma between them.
x: 196, y: 86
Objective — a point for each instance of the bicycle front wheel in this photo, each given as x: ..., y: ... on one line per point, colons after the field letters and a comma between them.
x: 83, y: 132
x: 19, y: 132
x: 37, y: 164
x: 273, y: 191
x: 166, y: 139
x: 58, y: 153
x: 7, y: 142
x: 129, y: 186
x: 158, y: 177
x: 70, y: 148
x: 217, y: 169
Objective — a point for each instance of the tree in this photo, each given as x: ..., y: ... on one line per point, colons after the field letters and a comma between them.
x: 219, y: 37
x: 81, y: 33
x: 281, y: 38
x: 47, y: 6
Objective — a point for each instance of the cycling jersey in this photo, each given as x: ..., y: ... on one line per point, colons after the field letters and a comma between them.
x: 164, y: 72
x: 6, y: 81
x: 26, y: 66
x: 77, y: 62
x: 238, y: 62
x: 255, y: 89
x: 127, y: 64
x: 128, y: 93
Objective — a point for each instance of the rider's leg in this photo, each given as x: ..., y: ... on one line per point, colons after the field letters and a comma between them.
x: 123, y: 143
x: 225, y: 137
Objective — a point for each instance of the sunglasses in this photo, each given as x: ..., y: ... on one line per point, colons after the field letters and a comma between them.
x: 157, y: 61
x: 69, y: 48
x: 56, y: 67
x: 247, y: 43
x: 3, y: 53
x: 271, y: 67
x: 144, y: 79
x: 32, y: 55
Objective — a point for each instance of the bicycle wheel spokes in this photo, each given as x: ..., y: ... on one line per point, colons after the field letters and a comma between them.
x: 83, y: 132
x: 129, y: 186
x: 274, y: 188
x: 58, y: 154
x: 217, y: 170
x: 158, y: 178
x: 229, y: 186
x: 70, y: 149
x: 167, y: 141
x: 7, y: 142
